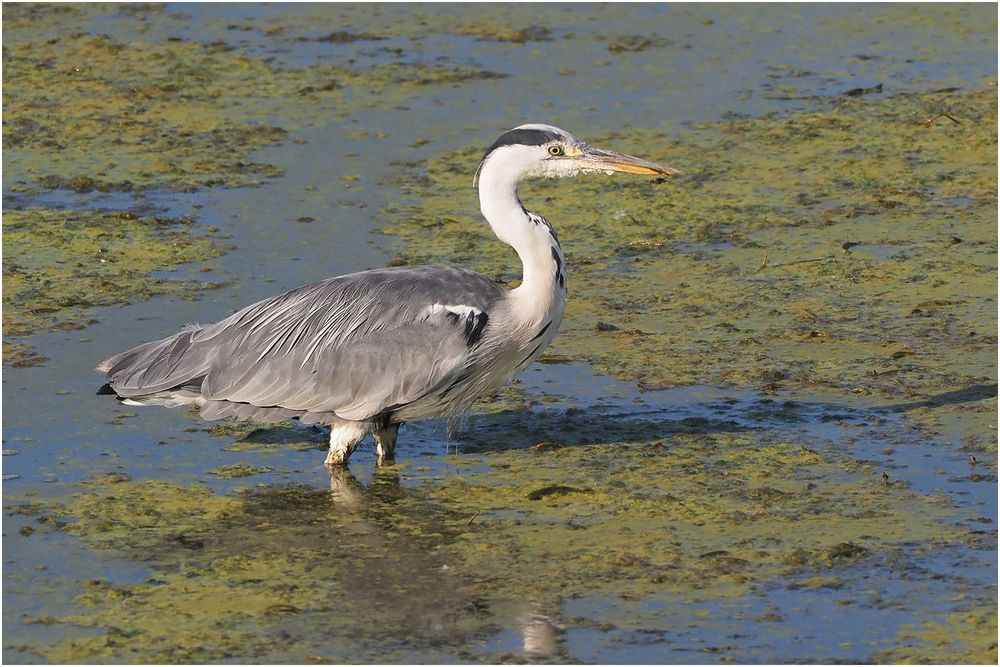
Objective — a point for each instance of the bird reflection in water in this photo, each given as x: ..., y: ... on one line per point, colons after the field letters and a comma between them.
x: 542, y: 637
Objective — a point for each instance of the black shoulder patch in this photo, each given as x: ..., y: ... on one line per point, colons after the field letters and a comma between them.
x: 474, y: 323
x: 106, y: 390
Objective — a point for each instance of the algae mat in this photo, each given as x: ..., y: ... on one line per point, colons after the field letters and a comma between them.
x: 790, y: 454
x: 286, y: 572
x: 177, y: 113
x: 88, y: 259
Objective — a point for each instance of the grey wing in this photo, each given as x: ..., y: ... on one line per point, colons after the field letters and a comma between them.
x: 380, y: 372
x: 355, y: 346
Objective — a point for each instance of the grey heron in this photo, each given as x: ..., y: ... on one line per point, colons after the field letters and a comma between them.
x: 368, y: 351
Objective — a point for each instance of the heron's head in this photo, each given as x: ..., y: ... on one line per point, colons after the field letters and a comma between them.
x: 543, y: 150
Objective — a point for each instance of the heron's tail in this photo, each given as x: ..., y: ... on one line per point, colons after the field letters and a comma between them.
x: 161, y: 365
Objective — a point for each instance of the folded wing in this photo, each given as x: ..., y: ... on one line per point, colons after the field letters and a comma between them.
x: 354, y: 346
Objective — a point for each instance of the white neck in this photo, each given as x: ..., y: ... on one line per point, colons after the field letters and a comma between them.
x: 534, y: 242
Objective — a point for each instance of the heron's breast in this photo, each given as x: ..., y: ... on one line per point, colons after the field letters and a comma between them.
x: 509, y: 343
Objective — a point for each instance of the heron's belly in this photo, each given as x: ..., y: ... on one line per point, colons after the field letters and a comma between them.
x: 453, y: 398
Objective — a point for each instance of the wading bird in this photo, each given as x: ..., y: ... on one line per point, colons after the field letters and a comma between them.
x: 369, y: 351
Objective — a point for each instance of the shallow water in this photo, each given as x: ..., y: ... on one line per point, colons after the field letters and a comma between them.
x: 700, y: 524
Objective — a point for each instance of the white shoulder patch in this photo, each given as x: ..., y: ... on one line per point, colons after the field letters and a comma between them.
x: 460, y: 310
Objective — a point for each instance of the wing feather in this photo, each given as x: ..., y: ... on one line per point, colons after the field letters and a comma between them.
x: 354, y: 345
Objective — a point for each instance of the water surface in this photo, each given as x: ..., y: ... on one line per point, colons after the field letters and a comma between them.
x: 579, y: 516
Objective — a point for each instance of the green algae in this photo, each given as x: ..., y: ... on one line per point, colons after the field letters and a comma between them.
x: 492, y: 30
x: 736, y: 512
x: 261, y: 437
x: 114, y: 512
x: 739, y: 512
x: 278, y: 571
x: 969, y: 637
x: 175, y: 114
x: 129, y: 115
x: 235, y: 470
x: 19, y: 355
x: 60, y: 264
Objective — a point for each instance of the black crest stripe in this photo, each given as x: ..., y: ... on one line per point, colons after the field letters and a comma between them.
x: 524, y: 137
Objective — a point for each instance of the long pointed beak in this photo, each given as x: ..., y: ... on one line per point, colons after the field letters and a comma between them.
x: 596, y: 159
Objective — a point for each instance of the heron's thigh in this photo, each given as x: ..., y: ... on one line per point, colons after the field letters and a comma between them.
x: 344, y: 439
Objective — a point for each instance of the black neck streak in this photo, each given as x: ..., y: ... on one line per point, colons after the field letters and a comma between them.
x: 560, y: 272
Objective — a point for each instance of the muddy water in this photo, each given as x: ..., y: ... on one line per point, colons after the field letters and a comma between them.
x: 787, y: 451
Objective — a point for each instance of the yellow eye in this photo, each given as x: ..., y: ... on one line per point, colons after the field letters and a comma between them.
x: 555, y: 150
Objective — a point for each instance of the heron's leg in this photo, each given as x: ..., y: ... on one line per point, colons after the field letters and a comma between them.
x: 385, y: 444
x: 344, y: 439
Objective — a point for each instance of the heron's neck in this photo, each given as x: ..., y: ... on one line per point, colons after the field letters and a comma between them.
x: 543, y: 266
